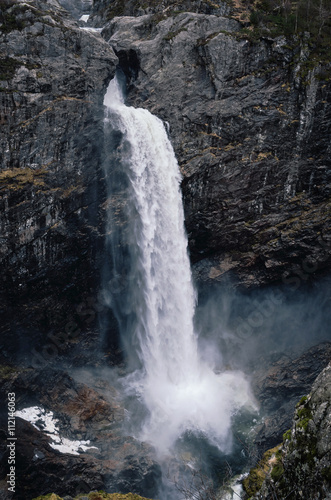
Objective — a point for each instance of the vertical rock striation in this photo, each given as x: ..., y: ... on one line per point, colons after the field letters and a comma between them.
x: 53, y: 77
x: 301, y: 469
x: 250, y: 124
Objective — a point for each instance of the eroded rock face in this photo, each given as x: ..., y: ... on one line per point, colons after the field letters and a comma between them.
x: 279, y: 387
x: 307, y: 453
x: 250, y: 128
x: 77, y: 8
x: 53, y: 77
x: 105, y: 9
x: 303, y: 469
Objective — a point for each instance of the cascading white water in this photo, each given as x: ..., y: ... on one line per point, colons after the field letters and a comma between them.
x: 180, y: 391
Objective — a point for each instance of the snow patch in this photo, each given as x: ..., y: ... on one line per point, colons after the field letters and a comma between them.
x: 92, y: 30
x: 45, y: 422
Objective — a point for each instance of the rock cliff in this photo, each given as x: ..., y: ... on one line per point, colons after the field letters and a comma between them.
x: 53, y: 77
x: 250, y: 120
x: 301, y: 467
x: 111, y: 462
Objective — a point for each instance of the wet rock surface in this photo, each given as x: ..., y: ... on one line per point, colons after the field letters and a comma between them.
x: 117, y: 463
x: 279, y: 387
x: 53, y: 77
x: 302, y: 469
x: 251, y: 132
x: 250, y: 129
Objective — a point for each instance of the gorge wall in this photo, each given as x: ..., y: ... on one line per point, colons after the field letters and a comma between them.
x: 250, y: 124
x: 53, y: 76
x: 249, y: 119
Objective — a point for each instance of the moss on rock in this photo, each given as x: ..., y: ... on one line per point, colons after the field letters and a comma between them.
x: 6, y: 372
x: 257, y: 475
x: 287, y: 436
x: 8, y: 66
x: 304, y: 461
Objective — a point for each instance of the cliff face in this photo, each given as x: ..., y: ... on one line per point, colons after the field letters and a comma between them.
x: 103, y: 10
x: 307, y: 450
x: 301, y: 468
x: 249, y: 121
x: 250, y: 124
x: 53, y: 76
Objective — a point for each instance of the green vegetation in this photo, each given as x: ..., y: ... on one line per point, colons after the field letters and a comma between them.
x: 293, y: 17
x: 305, y: 22
x: 10, y: 16
x: 304, y: 415
x: 287, y: 436
x: 172, y: 34
x: 6, y: 372
x: 302, y: 401
x: 277, y: 472
x: 16, y: 16
x: 50, y: 496
x: 203, y: 41
x: 253, y: 482
x: 8, y: 66
x: 305, y: 440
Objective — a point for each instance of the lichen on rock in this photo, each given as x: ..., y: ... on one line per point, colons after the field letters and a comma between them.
x: 303, y: 461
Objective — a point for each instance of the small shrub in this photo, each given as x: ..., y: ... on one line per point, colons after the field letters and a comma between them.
x: 8, y: 66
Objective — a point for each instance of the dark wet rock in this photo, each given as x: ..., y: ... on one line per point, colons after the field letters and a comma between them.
x: 251, y: 133
x: 302, y: 467
x: 77, y: 8
x: 118, y: 463
x: 53, y: 77
x: 105, y: 10
x: 278, y: 389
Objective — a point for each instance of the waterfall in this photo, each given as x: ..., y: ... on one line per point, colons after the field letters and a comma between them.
x: 179, y: 391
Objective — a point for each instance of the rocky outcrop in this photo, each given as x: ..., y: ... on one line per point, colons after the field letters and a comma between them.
x: 77, y: 8
x: 279, y: 386
x: 250, y: 124
x: 112, y: 462
x: 53, y: 77
x: 302, y: 468
x: 105, y: 9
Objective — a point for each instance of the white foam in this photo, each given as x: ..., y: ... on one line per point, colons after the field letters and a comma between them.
x: 180, y: 391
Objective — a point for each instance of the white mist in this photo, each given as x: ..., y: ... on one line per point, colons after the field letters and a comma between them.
x: 180, y: 391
